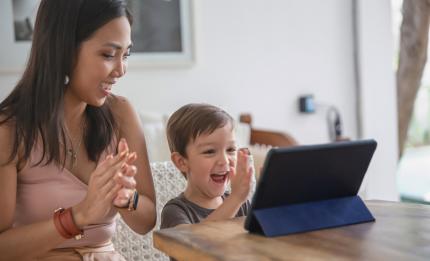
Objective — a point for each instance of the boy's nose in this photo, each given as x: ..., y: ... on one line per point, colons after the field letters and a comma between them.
x: 223, y: 159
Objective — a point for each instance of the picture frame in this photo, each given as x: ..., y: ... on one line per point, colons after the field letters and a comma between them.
x: 14, y: 53
x: 183, y: 56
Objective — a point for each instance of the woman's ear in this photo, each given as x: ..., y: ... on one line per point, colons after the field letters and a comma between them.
x: 180, y: 162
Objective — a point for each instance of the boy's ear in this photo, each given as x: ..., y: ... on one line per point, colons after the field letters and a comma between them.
x: 180, y: 161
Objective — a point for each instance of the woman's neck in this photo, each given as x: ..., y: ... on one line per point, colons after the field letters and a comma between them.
x: 74, y: 110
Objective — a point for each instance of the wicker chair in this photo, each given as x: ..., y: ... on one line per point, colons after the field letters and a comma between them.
x: 168, y: 183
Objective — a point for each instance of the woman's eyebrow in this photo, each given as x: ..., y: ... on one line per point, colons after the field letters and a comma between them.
x: 117, y: 46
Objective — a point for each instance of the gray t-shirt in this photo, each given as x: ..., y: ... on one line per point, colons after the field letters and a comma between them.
x: 180, y: 210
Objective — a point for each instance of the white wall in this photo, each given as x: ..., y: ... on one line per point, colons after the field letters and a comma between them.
x: 378, y: 96
x: 258, y: 57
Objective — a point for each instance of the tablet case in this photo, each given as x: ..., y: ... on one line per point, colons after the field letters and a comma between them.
x: 313, y: 187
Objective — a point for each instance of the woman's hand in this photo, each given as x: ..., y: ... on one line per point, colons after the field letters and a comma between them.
x: 125, y: 178
x: 241, y: 177
x: 102, y: 190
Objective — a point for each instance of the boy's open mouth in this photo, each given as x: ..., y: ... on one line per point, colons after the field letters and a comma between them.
x: 219, y: 177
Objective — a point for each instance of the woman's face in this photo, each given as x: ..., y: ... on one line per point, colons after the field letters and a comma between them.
x: 102, y: 60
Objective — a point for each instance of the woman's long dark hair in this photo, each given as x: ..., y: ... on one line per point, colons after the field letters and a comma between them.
x: 35, y: 107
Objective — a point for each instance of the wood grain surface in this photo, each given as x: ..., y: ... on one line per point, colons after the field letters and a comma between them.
x: 401, y: 232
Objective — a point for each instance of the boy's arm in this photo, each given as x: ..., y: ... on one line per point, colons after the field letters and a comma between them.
x: 240, y: 185
x: 227, y: 210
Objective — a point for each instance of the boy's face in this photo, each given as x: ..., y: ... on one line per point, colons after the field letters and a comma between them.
x: 209, y: 161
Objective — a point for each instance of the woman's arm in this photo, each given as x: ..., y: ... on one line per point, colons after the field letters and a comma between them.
x: 143, y: 219
x: 31, y: 240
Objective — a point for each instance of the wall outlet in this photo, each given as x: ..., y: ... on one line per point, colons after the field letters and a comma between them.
x: 306, y: 104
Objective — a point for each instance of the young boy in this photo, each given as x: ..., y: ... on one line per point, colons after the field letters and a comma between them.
x: 202, y: 144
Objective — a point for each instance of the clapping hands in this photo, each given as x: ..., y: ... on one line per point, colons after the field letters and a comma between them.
x: 110, y: 185
x: 125, y: 177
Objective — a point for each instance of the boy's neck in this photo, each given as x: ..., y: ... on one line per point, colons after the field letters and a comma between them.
x: 202, y: 200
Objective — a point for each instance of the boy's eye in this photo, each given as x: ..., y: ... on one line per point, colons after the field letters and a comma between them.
x: 211, y: 151
x: 231, y: 150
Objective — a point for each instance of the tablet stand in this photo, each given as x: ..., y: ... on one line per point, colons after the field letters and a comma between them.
x: 302, y: 217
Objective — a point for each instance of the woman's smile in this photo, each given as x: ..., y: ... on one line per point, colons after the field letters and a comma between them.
x: 106, y: 88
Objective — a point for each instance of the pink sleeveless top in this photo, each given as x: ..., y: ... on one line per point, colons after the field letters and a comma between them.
x: 43, y: 189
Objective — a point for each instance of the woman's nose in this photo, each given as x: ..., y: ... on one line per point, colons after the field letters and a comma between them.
x: 120, y: 68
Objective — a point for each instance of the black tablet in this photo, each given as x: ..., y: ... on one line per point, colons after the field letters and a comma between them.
x: 310, y: 173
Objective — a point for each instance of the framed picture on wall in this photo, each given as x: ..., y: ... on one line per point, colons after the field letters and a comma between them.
x: 17, y: 19
x: 161, y: 33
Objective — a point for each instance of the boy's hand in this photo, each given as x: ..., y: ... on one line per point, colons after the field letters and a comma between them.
x: 241, y: 176
x: 240, y: 180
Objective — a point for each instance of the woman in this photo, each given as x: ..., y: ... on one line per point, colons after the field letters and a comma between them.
x: 63, y: 138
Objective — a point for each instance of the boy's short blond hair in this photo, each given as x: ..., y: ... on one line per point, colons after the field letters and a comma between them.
x: 192, y: 120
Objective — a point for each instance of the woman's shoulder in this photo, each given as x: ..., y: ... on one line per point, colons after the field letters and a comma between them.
x: 7, y: 137
x: 121, y: 107
x: 124, y: 112
x: 120, y: 104
x: 7, y: 128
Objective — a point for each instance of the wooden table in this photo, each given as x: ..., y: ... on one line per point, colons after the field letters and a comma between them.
x: 401, y: 232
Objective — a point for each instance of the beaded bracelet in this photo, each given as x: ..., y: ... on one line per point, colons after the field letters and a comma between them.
x: 65, y: 225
